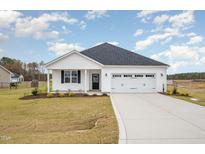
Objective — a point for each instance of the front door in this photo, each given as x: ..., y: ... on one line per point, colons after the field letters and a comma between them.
x: 95, y: 81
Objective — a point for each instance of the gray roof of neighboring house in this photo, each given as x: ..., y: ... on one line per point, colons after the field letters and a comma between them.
x: 108, y: 54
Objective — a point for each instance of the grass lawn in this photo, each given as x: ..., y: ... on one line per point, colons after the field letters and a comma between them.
x: 197, y: 91
x: 56, y: 120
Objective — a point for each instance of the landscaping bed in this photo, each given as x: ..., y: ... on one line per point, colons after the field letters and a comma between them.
x: 57, y: 95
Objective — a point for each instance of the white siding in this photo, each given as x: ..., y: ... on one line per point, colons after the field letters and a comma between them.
x: 57, y: 85
x: 74, y: 61
x: 5, y: 78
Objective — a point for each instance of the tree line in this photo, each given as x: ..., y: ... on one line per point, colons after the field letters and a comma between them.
x: 30, y: 71
x: 187, y: 76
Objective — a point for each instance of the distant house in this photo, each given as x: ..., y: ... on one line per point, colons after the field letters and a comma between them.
x: 5, y: 77
x: 17, y: 78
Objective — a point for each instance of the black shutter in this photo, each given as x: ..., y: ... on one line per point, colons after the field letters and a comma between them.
x: 79, y: 76
x: 62, y: 76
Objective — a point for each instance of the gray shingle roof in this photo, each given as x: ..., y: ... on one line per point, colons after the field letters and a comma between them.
x: 108, y: 54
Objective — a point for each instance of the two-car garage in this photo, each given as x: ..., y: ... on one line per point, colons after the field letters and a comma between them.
x: 131, y: 83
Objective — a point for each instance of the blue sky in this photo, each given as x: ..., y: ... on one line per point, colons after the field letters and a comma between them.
x: 173, y: 37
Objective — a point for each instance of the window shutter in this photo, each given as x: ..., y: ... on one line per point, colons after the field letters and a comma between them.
x: 62, y: 76
x: 79, y: 76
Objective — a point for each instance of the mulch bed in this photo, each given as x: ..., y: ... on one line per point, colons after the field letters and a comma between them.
x: 44, y: 95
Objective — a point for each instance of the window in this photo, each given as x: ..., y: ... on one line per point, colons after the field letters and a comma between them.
x: 150, y: 75
x: 71, y: 76
x: 67, y: 76
x: 74, y: 76
x: 138, y: 76
x: 127, y: 75
x: 116, y: 75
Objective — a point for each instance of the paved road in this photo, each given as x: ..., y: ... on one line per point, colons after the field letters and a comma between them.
x: 155, y: 118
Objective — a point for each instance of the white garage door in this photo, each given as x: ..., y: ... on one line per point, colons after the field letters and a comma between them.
x: 133, y: 83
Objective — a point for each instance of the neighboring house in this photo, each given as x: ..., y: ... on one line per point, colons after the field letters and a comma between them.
x: 107, y: 68
x: 17, y: 78
x: 5, y: 77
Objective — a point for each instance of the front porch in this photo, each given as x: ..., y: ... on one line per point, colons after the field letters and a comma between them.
x: 77, y: 81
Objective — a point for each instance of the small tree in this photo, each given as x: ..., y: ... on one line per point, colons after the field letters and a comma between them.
x: 35, y: 92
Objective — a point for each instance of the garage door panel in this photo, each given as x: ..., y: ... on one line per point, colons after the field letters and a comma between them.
x: 133, y: 84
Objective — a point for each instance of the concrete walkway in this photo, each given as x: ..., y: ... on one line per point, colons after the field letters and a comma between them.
x: 156, y: 118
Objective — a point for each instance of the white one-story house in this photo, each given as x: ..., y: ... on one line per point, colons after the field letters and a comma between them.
x: 17, y: 78
x: 107, y: 68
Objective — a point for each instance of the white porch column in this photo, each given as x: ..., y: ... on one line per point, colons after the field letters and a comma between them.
x: 48, y: 82
x: 85, y: 84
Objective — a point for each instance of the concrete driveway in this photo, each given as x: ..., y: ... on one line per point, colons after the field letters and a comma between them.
x: 156, y: 118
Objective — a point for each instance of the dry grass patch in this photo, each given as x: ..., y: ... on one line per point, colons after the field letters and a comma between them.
x: 56, y: 120
x: 193, y: 89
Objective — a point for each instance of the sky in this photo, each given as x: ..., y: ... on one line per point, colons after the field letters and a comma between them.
x: 173, y: 37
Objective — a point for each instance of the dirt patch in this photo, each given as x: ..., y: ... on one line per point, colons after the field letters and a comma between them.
x: 77, y: 126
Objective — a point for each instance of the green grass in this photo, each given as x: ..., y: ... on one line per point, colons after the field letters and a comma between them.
x: 55, y: 120
x: 195, y: 93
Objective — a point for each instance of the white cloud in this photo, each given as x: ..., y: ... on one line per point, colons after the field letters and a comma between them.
x: 183, y: 19
x: 202, y: 60
x: 94, y: 14
x: 195, y: 39
x: 110, y: 42
x: 8, y: 17
x: 54, y: 17
x: 191, y: 34
x: 146, y: 13
x: 160, y: 19
x: 46, y: 35
x: 138, y: 32
x: 180, y: 20
x: 179, y: 56
x: 3, y: 38
x: 178, y: 64
x: 168, y: 32
x: 179, y: 52
x: 83, y: 25
x: 178, y: 23
x: 38, y: 28
x: 60, y: 48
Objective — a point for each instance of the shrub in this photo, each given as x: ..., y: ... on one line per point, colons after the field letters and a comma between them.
x: 71, y: 94
x: 57, y: 91
x: 85, y: 94
x: 35, y: 92
x: 94, y: 94
x: 174, y: 91
x: 104, y: 94
x: 182, y: 94
x: 169, y: 92
x: 187, y: 94
x: 50, y: 95
x: 61, y: 95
